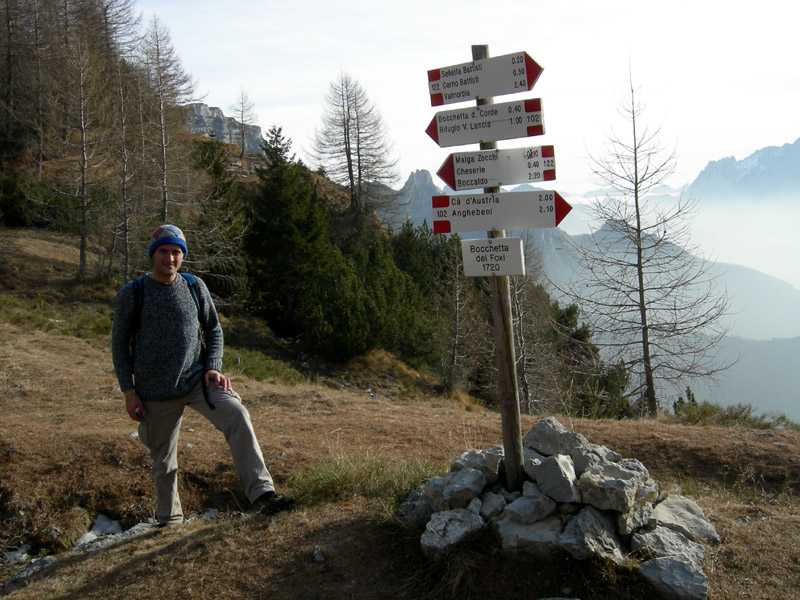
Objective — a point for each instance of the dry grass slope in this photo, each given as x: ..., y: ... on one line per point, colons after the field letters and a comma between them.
x: 66, y: 453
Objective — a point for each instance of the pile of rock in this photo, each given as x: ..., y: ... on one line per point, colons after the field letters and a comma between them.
x: 581, y: 499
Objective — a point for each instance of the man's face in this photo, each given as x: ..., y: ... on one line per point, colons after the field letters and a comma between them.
x: 167, y: 261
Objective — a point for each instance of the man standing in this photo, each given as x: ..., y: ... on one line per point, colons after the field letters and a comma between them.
x: 161, y: 367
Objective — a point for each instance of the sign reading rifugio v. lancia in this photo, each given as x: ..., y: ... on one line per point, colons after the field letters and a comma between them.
x: 484, y: 78
x: 487, y: 123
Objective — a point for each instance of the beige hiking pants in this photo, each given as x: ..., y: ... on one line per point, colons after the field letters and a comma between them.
x: 159, y: 433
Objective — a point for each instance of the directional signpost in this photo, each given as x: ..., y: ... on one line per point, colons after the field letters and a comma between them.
x: 485, y: 168
x: 511, y: 210
x: 487, y: 123
x: 483, y: 78
x: 498, y: 256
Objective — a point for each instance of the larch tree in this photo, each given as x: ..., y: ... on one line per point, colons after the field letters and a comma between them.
x: 645, y: 289
x: 171, y: 86
x: 353, y: 149
x: 243, y: 112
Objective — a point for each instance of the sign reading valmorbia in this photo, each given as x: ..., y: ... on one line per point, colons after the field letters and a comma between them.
x: 493, y: 256
x: 506, y: 210
x: 487, y: 123
x: 489, y: 168
x: 495, y: 76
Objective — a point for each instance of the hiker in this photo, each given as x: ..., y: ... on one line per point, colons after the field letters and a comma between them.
x: 162, y: 367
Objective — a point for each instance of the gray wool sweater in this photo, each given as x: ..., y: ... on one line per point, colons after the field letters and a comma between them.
x: 167, y: 362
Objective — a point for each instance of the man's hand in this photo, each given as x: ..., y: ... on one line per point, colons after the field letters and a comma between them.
x: 135, y: 408
x: 219, y: 380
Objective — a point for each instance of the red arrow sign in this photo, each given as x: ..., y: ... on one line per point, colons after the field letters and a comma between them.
x: 487, y: 123
x: 509, y: 210
x: 484, y: 78
x: 488, y: 168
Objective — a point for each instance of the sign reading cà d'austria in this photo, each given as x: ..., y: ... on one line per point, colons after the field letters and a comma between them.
x: 507, y: 210
x: 495, y: 76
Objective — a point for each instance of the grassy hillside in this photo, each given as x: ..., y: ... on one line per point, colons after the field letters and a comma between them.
x: 347, y: 445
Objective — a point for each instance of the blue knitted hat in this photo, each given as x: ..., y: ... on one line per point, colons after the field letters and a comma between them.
x: 168, y: 234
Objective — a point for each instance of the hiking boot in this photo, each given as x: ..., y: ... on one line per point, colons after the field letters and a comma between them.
x: 270, y: 503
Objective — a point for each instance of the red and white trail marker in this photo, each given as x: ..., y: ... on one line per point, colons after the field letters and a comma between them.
x: 490, y: 168
x: 508, y: 210
x: 496, y: 76
x: 487, y: 123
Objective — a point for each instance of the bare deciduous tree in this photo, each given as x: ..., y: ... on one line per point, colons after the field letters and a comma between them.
x: 647, y: 291
x: 171, y: 86
x: 352, y: 146
x: 245, y: 116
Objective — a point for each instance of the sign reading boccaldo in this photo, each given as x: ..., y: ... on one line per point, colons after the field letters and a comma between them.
x: 493, y: 256
x: 489, y: 168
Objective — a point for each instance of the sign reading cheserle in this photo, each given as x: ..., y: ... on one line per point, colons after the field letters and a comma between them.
x: 491, y: 168
x: 487, y: 123
x: 484, y: 78
x: 506, y: 210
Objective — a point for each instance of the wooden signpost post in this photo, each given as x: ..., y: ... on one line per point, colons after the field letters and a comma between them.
x: 497, y: 256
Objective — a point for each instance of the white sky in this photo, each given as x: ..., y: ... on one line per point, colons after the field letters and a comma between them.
x: 720, y: 77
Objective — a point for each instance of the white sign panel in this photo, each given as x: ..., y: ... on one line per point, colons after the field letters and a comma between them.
x: 487, y: 123
x: 489, y: 168
x: 483, y: 78
x: 493, y: 256
x: 509, y: 210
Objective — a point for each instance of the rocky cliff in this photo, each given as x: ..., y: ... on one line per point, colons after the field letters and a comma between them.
x: 206, y: 120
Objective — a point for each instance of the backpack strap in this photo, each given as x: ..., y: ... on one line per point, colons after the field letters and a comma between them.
x: 190, y: 279
x: 138, y: 298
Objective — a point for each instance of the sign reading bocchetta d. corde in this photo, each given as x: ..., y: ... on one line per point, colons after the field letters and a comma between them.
x: 488, y: 123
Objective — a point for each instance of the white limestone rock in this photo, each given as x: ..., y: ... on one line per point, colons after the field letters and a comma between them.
x: 590, y: 533
x: 611, y: 486
x: 486, y: 461
x: 555, y: 475
x: 447, y: 529
x: 533, y: 506
x: 661, y: 542
x: 681, y: 514
x: 462, y: 486
x: 675, y: 579
x: 491, y: 505
x: 539, y: 539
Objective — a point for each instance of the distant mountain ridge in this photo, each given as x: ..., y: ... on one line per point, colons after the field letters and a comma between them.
x: 771, y: 171
x: 764, y: 336
x: 205, y: 120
